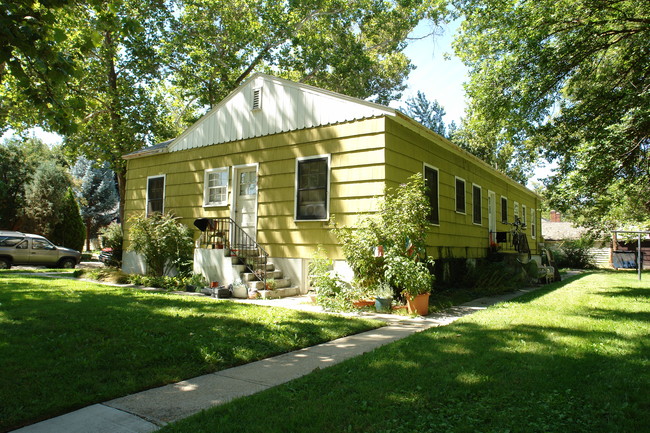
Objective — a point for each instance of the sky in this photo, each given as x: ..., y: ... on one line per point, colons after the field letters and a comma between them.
x: 439, y: 74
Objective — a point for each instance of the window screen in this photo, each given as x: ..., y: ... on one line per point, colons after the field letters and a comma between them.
x: 311, y: 195
x: 431, y: 183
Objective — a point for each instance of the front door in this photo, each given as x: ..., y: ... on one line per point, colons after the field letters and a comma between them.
x: 245, y: 180
x: 492, y: 212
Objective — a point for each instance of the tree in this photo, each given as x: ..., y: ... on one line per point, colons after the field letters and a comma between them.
x: 13, y: 175
x: 97, y: 194
x: 352, y: 47
x: 70, y: 230
x: 124, y: 110
x: 568, y: 80
x: 19, y: 159
x: 428, y: 113
x: 44, y: 197
x: 34, y: 66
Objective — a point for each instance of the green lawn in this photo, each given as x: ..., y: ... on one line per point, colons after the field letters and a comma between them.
x: 571, y: 357
x: 65, y: 344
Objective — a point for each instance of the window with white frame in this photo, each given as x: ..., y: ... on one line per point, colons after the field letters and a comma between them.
x: 523, y: 216
x: 155, y: 194
x: 516, y: 210
x: 215, y: 190
x: 312, y: 188
x: 460, y: 195
x: 477, y: 211
x: 431, y: 184
x: 533, y: 225
x: 504, y: 210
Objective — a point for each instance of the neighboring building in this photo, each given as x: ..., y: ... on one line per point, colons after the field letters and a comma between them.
x: 555, y: 232
x: 284, y: 160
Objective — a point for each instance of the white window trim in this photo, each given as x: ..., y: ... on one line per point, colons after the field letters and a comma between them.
x: 327, y: 192
x: 506, y: 199
x: 533, y: 222
x: 206, y: 194
x: 474, y: 204
x: 424, y: 164
x: 456, y: 178
x: 524, y: 218
x: 515, y: 209
x: 146, y: 203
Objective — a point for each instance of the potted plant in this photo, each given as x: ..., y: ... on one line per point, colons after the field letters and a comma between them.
x: 239, y: 289
x: 413, y: 278
x: 383, y: 297
x: 194, y: 282
x: 271, y: 284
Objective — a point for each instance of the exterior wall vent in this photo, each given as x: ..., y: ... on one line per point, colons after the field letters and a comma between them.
x: 257, y: 99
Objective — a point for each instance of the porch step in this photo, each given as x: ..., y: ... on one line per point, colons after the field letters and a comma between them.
x: 280, y: 283
x: 279, y: 293
x: 236, y: 261
x: 275, y: 274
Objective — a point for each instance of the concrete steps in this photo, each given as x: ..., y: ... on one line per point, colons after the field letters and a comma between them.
x: 283, y: 286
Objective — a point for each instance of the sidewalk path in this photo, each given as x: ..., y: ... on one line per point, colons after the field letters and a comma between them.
x: 148, y: 410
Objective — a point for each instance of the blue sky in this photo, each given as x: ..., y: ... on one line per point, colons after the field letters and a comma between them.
x: 439, y: 74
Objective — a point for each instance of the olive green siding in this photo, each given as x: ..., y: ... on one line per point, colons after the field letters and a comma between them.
x: 365, y: 156
x: 409, y: 146
x: 356, y: 177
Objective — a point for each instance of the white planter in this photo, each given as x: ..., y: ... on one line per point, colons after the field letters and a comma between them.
x: 240, y: 291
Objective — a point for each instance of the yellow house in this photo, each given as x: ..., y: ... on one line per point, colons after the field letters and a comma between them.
x: 280, y: 159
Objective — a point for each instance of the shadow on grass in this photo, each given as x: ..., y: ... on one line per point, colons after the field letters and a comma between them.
x: 66, y: 345
x: 518, y: 368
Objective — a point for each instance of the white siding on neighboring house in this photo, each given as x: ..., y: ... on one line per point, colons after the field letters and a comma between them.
x: 284, y: 106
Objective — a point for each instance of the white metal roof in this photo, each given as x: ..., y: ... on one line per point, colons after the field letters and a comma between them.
x: 285, y: 106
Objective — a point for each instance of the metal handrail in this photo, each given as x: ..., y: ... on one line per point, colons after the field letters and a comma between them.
x: 225, y: 233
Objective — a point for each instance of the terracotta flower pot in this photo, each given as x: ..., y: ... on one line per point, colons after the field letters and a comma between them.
x: 418, y: 305
x: 363, y: 303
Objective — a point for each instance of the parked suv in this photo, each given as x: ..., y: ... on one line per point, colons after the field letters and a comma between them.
x: 18, y: 248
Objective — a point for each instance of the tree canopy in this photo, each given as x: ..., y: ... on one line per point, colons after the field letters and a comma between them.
x: 568, y: 80
x: 129, y: 74
x: 428, y: 113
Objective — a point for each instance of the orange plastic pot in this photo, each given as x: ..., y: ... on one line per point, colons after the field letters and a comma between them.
x: 418, y: 305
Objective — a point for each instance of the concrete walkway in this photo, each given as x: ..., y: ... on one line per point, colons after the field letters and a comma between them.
x: 149, y: 410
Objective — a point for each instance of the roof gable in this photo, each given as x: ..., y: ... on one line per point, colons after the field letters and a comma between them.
x: 281, y: 106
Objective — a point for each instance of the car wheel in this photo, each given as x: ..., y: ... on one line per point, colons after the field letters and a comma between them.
x: 5, y: 263
x: 67, y: 264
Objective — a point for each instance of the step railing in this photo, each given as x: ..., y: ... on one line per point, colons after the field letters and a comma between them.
x: 226, y: 234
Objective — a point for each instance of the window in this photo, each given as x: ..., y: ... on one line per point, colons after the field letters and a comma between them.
x: 42, y: 244
x: 247, y: 183
x: 10, y: 241
x: 504, y: 210
x: 312, y: 188
x: 431, y: 184
x: 533, y: 226
x: 476, y: 205
x: 523, y: 216
x: 215, y: 187
x: 516, y: 210
x: 460, y: 195
x: 155, y: 194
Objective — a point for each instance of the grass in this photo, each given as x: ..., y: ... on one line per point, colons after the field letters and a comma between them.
x: 571, y: 357
x: 65, y: 344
